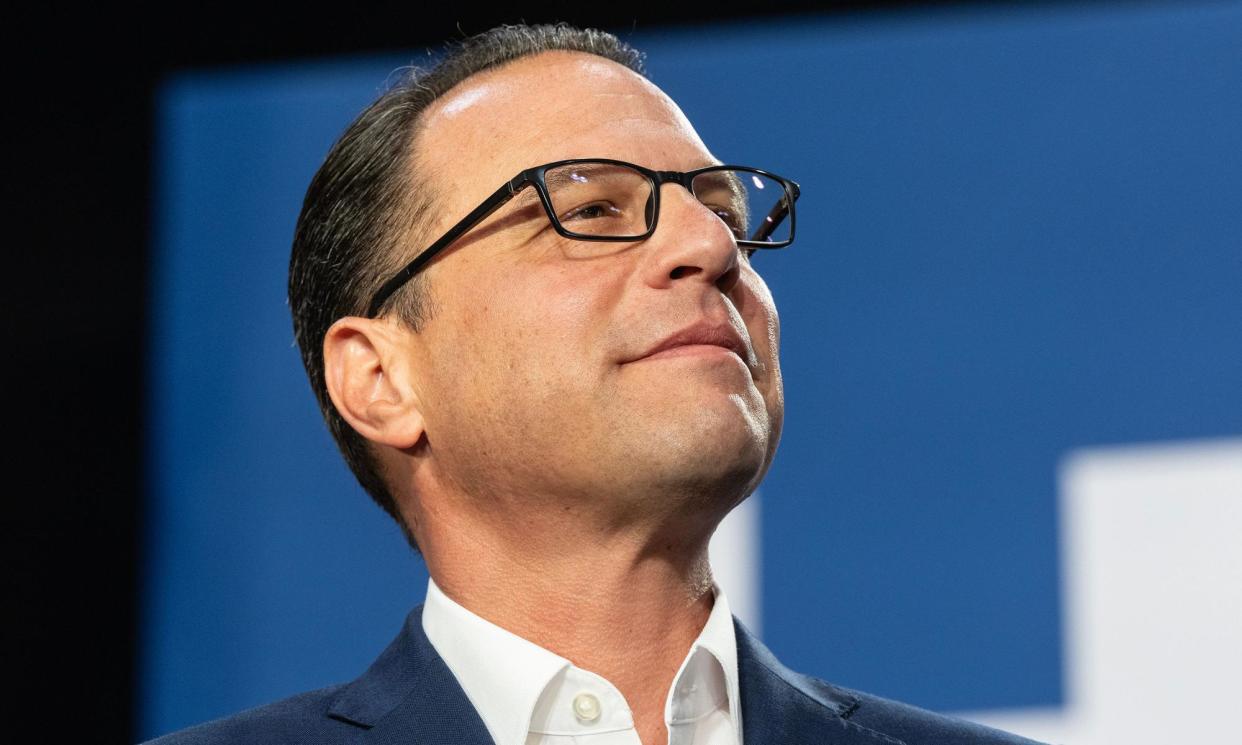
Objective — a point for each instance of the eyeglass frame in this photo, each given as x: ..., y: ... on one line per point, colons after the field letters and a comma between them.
x: 535, y: 177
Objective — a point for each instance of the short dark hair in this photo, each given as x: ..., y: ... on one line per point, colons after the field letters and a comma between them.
x: 365, y: 204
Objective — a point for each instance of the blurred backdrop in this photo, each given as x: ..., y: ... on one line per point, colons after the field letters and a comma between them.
x: 1011, y: 470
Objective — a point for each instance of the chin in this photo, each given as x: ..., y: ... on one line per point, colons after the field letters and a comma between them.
x: 717, y: 457
x: 697, y: 440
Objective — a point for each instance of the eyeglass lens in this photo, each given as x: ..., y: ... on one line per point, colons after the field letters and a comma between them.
x: 611, y: 200
x: 600, y: 199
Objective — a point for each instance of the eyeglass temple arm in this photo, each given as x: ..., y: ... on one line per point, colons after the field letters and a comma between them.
x: 778, y: 213
x: 773, y: 220
x: 480, y: 213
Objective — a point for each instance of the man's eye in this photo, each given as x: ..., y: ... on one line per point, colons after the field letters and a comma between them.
x: 592, y: 211
x: 735, y: 222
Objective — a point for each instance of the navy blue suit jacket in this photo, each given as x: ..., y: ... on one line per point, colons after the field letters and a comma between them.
x: 410, y: 696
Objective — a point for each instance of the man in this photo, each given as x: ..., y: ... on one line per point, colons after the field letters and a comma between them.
x: 523, y: 292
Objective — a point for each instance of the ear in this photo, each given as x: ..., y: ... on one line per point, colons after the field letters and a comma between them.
x: 369, y: 376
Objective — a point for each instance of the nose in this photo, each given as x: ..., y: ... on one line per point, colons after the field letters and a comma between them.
x: 690, y: 243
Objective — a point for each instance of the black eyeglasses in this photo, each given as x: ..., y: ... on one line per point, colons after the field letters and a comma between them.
x: 610, y: 200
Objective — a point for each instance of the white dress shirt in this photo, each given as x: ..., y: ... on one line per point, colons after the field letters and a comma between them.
x: 526, y: 695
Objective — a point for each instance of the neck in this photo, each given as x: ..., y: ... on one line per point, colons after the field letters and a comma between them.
x: 625, y: 605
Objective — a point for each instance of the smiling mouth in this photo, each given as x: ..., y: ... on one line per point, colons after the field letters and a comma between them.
x: 704, y: 340
x: 692, y: 350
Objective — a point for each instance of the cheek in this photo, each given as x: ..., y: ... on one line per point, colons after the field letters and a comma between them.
x: 531, y: 334
x: 765, y: 328
x: 758, y: 310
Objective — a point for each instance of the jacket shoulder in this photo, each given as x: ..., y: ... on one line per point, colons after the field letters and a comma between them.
x: 872, y: 719
x: 298, y: 719
x: 912, y: 725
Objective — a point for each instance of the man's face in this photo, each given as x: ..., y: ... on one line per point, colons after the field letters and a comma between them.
x: 534, y: 374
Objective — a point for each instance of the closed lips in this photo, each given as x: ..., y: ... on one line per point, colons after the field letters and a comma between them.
x: 716, y: 335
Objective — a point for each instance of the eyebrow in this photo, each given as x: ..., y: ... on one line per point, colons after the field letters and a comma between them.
x: 597, y: 172
x: 727, y: 181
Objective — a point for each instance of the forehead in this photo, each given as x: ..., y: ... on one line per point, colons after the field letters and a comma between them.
x: 546, y: 107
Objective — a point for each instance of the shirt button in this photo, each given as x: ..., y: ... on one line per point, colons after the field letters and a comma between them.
x: 586, y: 708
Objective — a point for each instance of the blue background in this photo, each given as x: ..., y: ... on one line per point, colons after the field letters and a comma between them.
x: 1020, y: 234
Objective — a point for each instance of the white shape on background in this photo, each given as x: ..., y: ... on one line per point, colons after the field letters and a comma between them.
x: 1151, y: 542
x: 735, y: 557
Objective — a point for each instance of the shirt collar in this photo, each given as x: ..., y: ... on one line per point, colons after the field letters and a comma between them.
x: 708, y: 677
x: 502, y: 674
x: 505, y: 676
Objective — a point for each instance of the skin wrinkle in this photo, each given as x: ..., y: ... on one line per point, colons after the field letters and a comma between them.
x: 557, y: 490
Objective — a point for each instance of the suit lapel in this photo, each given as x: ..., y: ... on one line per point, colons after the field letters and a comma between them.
x: 410, y: 696
x: 780, y: 706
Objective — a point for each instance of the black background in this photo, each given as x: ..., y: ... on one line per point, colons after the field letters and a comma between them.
x: 77, y: 194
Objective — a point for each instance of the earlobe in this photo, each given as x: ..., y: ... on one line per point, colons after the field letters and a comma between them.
x: 368, y: 376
